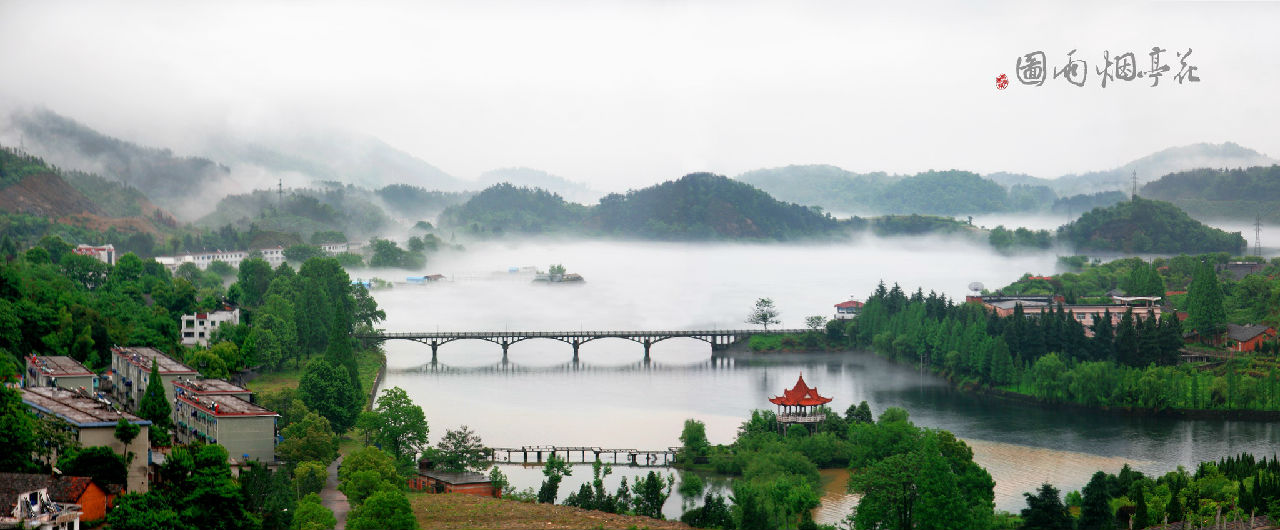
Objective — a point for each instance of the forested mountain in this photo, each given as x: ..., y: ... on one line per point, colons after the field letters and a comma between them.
x: 1230, y: 193
x: 951, y: 192
x: 1143, y: 225
x: 415, y: 202
x: 168, y: 180
x: 698, y: 206
x: 534, y: 178
x: 705, y: 206
x: 328, y: 207
x: 504, y: 208
x: 826, y: 186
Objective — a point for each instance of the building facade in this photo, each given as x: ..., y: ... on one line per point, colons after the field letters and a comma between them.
x: 131, y: 372
x: 211, y: 387
x: 105, y: 253
x: 59, y: 371
x: 94, y: 423
x: 196, y: 328
x: 847, y: 310
x: 247, y: 431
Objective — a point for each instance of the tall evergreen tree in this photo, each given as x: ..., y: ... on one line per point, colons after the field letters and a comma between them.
x: 1095, y: 509
x: 1103, y: 337
x: 1205, y: 312
x: 1127, y: 340
x: 1045, y: 510
x: 1141, y: 514
x: 154, y: 406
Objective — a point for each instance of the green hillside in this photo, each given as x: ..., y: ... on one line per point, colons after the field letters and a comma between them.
x: 1143, y: 225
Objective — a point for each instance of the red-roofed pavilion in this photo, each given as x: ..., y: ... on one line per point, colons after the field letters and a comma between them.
x: 799, y: 405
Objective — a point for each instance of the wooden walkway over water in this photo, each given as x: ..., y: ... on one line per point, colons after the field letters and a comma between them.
x: 534, y: 454
x: 719, y: 339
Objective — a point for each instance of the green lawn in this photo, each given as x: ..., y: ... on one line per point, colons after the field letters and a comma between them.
x: 368, y: 362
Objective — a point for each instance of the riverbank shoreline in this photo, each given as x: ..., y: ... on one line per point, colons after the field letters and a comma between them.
x: 742, y: 351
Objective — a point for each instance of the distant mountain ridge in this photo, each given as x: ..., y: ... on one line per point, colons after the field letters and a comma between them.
x: 839, y: 190
x: 536, y: 178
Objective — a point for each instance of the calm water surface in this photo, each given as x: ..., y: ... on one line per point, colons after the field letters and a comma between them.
x: 611, y: 398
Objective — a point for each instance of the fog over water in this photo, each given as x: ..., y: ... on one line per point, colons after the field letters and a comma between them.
x: 611, y: 398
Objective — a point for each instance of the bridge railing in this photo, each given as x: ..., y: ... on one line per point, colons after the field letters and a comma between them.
x: 579, y: 333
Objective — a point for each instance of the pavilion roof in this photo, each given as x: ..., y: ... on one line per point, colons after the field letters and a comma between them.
x: 801, y: 395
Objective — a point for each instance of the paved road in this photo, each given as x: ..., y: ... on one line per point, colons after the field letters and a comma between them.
x: 334, y: 499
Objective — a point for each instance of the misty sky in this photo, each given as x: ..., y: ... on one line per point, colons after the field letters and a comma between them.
x: 622, y: 94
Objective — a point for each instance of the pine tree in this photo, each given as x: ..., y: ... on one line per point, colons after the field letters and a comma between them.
x: 1141, y: 515
x: 1127, y: 340
x: 1205, y: 312
x: 1103, y: 337
x: 154, y: 406
x: 1095, y: 509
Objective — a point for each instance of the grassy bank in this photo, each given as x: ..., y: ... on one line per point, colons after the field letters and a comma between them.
x: 368, y: 362
x: 455, y: 510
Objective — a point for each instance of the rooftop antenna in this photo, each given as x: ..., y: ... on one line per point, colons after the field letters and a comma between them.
x: 1257, y: 236
x: 1135, y: 184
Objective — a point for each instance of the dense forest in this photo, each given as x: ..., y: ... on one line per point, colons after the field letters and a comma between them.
x: 699, y: 206
x: 1226, y: 492
x: 303, y: 211
x: 1143, y: 225
x: 1048, y: 355
x: 1085, y: 202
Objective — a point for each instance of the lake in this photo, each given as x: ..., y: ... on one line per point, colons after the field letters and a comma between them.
x: 611, y: 398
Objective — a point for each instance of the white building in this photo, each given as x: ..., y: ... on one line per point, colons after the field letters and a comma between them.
x: 273, y: 256
x: 105, y: 254
x: 197, y: 328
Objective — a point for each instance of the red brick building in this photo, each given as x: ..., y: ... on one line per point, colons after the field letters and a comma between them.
x: 441, y: 482
x: 1248, y: 338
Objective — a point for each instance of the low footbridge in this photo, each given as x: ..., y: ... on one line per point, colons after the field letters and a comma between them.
x: 719, y: 339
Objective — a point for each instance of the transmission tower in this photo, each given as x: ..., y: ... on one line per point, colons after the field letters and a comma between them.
x: 1257, y: 236
x: 279, y: 192
x: 1135, y: 185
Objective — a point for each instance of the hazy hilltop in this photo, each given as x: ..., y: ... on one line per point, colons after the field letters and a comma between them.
x: 827, y: 186
x: 1158, y: 164
x: 536, y: 178
x: 171, y: 181
x: 349, y: 158
x: 698, y: 206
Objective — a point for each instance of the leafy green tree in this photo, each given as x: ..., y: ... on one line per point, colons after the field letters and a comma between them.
x: 326, y: 389
x: 460, y: 450
x: 17, y: 431
x: 208, y: 364
x: 555, y: 470
x: 253, y: 278
x: 763, y: 314
x: 940, y: 503
x: 650, y: 493
x: 859, y: 414
x: 268, y: 494
x: 714, y: 513
x: 888, y: 493
x: 1045, y: 511
x: 312, y: 515
x: 1095, y: 509
x: 693, y: 441
x: 309, y: 439
x: 1141, y: 513
x: 367, y: 470
x: 384, y: 510
x: 309, y: 477
x: 211, y: 498
x: 155, y: 407
x: 499, y: 481
x: 99, y: 462
x: 301, y: 253
x: 126, y: 432
x: 143, y: 511
x: 400, y: 427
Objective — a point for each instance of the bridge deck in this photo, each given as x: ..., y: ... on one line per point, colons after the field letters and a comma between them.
x: 534, y: 454
x: 577, y: 334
